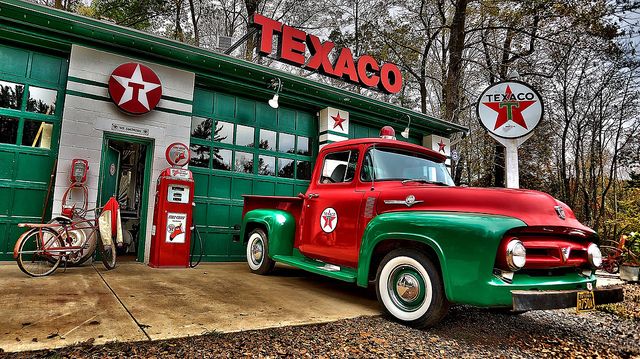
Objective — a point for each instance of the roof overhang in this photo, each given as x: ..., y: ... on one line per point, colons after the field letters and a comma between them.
x: 58, y: 29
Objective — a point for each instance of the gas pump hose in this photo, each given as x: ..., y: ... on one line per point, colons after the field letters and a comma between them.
x: 195, y: 230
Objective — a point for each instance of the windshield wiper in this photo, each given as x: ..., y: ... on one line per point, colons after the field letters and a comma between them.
x: 422, y: 180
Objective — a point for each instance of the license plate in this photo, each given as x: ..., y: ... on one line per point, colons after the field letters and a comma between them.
x: 585, y: 302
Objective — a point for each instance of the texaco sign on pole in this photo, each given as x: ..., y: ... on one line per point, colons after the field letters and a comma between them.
x: 510, y: 111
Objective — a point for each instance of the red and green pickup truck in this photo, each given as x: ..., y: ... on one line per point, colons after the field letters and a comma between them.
x: 385, y: 212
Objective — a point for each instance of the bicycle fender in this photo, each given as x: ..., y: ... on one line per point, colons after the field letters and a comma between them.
x: 16, y: 247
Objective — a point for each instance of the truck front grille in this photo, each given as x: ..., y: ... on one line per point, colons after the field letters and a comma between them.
x: 547, y: 252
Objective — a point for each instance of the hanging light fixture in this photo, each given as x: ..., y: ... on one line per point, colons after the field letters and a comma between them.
x: 405, y: 133
x: 276, y: 84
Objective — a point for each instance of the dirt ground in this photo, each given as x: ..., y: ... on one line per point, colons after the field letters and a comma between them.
x: 465, y: 332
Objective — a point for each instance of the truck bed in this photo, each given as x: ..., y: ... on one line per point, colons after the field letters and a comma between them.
x: 292, y: 205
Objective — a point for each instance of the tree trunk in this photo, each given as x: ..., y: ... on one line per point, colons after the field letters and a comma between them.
x: 423, y: 96
x: 178, y: 33
x: 454, y: 68
x: 252, y: 8
x: 194, y: 21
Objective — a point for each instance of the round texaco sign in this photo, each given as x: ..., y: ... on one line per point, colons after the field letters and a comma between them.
x: 329, y: 220
x: 510, y: 109
x: 135, y: 88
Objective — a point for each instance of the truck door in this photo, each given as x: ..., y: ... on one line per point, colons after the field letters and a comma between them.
x: 330, y: 221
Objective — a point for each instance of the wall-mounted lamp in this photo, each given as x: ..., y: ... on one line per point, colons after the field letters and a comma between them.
x: 275, y: 84
x: 405, y: 133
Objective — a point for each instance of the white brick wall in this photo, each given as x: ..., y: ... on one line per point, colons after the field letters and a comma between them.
x: 85, y: 121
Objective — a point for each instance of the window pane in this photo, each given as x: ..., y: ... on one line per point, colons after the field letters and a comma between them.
x: 244, y: 162
x: 200, y: 156
x: 42, y: 100
x: 339, y: 167
x: 224, y: 132
x: 268, y: 140
x: 244, y: 136
x: 286, y: 143
x: 221, y: 159
x: 8, y: 130
x: 11, y: 95
x: 37, y: 134
x: 395, y: 164
x: 304, y: 146
x: 303, y: 171
x: 201, y: 127
x: 267, y: 166
x: 285, y: 168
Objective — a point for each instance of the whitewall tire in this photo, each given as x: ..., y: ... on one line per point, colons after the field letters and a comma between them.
x: 410, y: 289
x: 258, y: 252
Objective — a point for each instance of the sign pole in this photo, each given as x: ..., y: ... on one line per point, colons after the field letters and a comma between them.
x: 511, y: 157
x: 510, y: 111
x: 511, y: 164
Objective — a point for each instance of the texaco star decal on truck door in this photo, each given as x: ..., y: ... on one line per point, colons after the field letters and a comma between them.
x: 329, y: 220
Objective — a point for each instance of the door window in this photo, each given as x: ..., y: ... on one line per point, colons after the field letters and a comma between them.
x: 339, y: 167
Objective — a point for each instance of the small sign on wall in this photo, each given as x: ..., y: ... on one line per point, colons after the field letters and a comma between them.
x: 131, y: 130
x: 440, y: 144
x: 333, y: 125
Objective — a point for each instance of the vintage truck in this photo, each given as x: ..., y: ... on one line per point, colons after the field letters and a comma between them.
x: 384, y: 212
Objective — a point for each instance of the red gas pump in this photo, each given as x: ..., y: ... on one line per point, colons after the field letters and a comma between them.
x: 173, y: 214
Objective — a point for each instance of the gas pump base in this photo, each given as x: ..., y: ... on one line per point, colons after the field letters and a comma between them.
x: 172, y: 219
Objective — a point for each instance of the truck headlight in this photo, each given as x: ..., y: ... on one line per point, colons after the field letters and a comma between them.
x: 594, y: 255
x: 516, y: 255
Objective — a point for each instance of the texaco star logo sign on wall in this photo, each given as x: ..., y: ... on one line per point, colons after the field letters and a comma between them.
x: 329, y: 220
x: 135, y: 88
x: 510, y: 109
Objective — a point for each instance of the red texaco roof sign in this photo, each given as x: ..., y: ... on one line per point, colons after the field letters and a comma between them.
x: 510, y: 109
x: 135, y: 88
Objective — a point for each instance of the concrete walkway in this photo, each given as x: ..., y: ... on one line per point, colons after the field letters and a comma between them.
x: 135, y: 302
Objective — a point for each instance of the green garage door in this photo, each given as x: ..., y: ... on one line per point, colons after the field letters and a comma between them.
x: 31, y: 103
x: 241, y: 146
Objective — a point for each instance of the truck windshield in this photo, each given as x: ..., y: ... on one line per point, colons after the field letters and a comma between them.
x: 386, y: 164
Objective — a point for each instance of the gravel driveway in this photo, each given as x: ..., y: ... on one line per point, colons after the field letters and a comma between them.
x: 612, y: 331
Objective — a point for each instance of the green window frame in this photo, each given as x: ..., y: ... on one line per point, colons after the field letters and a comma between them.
x: 214, y: 135
x: 45, y: 137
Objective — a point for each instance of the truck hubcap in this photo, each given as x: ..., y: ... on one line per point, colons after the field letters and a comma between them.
x: 406, y: 288
x: 257, y: 250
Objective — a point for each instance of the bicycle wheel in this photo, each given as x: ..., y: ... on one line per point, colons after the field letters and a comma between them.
x: 33, y: 258
x: 107, y: 252
x: 611, y: 259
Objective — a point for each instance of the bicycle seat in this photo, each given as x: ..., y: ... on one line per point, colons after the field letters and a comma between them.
x: 65, y: 221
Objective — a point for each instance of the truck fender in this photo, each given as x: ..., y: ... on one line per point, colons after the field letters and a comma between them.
x: 279, y: 225
x: 377, y: 231
x: 465, y: 244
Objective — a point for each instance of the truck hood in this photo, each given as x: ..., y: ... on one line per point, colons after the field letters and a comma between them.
x: 532, y: 207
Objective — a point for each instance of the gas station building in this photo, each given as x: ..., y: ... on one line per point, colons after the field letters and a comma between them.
x: 56, y: 106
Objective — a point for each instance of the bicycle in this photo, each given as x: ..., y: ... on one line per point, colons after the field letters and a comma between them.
x: 40, y: 250
x: 614, y: 255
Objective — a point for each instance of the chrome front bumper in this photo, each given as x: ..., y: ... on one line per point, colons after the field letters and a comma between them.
x: 524, y: 300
